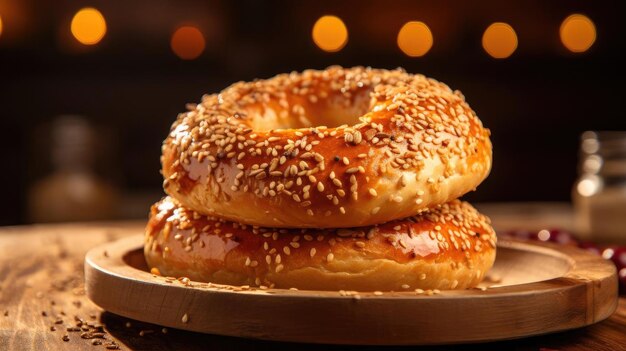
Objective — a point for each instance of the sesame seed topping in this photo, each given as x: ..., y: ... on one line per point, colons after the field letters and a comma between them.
x: 428, y: 121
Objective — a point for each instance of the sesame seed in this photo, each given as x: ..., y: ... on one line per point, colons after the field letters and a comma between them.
x: 427, y: 120
x: 348, y: 138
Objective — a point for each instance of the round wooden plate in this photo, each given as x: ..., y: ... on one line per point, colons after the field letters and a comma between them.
x: 535, y: 289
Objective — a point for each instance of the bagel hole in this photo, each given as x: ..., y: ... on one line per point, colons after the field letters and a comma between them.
x: 334, y: 111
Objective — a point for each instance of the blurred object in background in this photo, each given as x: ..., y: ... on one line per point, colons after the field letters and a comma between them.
x: 537, y: 73
x: 72, y: 191
x: 599, y: 195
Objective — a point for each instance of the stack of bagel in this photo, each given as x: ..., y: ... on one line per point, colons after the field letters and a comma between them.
x: 336, y: 179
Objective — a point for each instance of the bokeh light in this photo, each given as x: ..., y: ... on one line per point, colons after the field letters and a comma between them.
x: 188, y: 42
x: 500, y: 40
x: 415, y: 39
x: 543, y: 235
x: 0, y: 25
x: 330, y: 33
x: 578, y: 33
x: 88, y: 26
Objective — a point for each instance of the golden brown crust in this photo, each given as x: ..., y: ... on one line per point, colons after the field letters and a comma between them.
x: 449, y: 247
x: 257, y: 153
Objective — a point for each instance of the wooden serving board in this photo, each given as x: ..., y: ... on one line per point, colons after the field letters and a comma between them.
x: 534, y: 289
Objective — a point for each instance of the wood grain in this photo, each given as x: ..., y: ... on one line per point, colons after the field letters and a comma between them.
x: 41, y: 264
x: 541, y: 290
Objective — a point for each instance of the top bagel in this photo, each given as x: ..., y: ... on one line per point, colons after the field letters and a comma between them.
x: 333, y: 148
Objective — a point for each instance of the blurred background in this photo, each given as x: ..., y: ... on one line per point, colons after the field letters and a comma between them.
x: 88, y: 89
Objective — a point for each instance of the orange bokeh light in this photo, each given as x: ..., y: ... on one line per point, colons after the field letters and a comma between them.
x: 0, y: 25
x: 500, y: 40
x: 188, y: 42
x: 88, y: 26
x: 578, y: 33
x: 330, y: 33
x: 415, y: 39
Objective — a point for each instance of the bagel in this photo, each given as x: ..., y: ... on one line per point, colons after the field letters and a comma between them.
x: 326, y: 149
x: 450, y: 246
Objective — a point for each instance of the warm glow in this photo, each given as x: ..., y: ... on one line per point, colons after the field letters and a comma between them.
x: 500, y: 40
x: 0, y: 25
x: 543, y: 235
x: 88, y: 26
x: 415, y: 39
x: 607, y: 254
x: 578, y: 33
x: 588, y: 187
x: 330, y: 33
x: 187, y: 42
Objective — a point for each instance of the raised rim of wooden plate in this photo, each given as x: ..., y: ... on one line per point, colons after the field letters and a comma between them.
x: 584, y: 295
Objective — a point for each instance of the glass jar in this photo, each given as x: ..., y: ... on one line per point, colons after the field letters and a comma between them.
x: 599, y: 195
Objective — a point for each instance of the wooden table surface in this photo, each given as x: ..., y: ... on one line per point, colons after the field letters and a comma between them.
x: 42, y: 296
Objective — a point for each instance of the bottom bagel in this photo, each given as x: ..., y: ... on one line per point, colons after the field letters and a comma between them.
x: 447, y: 247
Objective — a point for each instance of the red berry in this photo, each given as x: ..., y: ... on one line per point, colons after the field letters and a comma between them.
x: 562, y: 237
x: 619, y: 257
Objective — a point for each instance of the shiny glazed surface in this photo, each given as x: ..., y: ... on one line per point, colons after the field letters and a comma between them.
x: 323, y: 149
x: 451, y: 246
